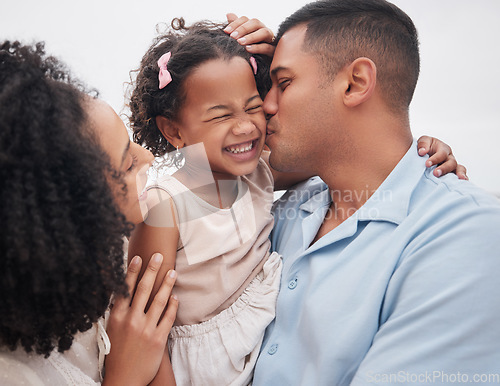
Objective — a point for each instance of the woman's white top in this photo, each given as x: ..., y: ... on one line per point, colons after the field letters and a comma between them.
x: 81, y: 365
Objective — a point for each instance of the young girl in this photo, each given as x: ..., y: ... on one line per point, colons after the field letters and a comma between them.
x: 198, y: 95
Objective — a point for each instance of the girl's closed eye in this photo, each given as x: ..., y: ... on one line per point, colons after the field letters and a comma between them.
x: 221, y: 117
x: 254, y: 109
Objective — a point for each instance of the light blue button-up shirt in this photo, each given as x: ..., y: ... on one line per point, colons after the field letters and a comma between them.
x: 405, y: 291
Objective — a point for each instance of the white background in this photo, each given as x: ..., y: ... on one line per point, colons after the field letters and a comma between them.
x: 457, y: 98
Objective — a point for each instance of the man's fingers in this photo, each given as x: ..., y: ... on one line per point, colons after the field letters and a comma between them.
x: 145, y: 286
x: 249, y: 31
x: 262, y: 48
x: 235, y: 24
x: 263, y: 35
x: 231, y: 17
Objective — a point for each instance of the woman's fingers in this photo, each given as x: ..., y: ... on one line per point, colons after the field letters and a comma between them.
x: 133, y: 271
x: 168, y: 318
x: 145, y: 286
x: 163, y: 298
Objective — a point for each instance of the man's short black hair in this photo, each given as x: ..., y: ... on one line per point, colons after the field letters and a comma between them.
x: 340, y: 31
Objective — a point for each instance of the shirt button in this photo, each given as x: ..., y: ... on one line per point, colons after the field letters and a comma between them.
x: 292, y: 283
x: 272, y: 350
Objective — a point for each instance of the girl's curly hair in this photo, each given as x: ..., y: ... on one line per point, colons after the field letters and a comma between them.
x: 62, y: 234
x: 190, y: 47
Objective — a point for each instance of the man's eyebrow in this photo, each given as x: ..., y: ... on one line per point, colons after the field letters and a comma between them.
x: 277, y: 69
x: 125, y: 153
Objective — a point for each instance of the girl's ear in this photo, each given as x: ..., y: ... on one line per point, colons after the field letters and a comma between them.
x: 170, y: 131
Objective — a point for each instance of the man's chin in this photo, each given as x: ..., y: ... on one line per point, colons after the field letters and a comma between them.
x: 276, y: 162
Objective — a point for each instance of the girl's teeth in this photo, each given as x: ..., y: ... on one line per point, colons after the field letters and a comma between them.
x: 242, y: 149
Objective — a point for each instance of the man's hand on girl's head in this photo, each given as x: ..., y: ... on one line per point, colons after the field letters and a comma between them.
x: 251, y: 33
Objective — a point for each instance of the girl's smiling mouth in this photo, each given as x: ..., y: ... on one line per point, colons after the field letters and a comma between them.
x: 240, y: 148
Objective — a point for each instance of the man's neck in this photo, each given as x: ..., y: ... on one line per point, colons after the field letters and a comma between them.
x: 353, y: 182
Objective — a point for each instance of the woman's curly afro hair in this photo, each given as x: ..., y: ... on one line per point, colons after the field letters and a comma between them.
x: 190, y: 47
x: 61, y: 238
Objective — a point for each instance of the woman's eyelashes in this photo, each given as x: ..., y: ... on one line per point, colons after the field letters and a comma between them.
x: 133, y: 162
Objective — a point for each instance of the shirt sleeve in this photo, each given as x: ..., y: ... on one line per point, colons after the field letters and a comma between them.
x: 439, y: 322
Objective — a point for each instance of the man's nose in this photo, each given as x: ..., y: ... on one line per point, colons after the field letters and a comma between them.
x: 270, y: 104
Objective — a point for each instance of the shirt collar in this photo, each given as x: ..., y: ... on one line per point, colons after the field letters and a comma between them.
x: 319, y: 195
x: 390, y: 202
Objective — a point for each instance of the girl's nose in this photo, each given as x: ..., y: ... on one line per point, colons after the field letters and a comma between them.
x: 243, y: 127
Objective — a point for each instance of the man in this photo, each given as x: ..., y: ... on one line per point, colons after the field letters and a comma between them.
x: 390, y: 274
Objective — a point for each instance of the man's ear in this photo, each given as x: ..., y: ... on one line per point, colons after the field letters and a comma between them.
x: 361, y: 79
x: 170, y: 131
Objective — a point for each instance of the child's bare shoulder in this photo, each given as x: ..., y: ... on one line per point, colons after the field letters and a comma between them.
x: 161, y: 208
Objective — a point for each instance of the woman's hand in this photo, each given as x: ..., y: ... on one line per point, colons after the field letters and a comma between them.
x: 139, y: 337
x: 440, y: 154
x: 251, y: 33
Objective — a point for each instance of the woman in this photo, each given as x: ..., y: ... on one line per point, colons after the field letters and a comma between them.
x: 71, y: 184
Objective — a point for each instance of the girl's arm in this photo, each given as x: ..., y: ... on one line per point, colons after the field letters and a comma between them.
x: 159, y: 233
x: 138, y: 337
x: 165, y: 375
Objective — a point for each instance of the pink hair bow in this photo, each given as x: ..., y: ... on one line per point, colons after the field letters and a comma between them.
x: 253, y: 62
x: 164, y: 76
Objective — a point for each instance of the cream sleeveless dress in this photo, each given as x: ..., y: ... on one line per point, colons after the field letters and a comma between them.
x: 227, y: 281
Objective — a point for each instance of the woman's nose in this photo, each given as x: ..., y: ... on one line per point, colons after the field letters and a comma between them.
x: 146, y: 156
